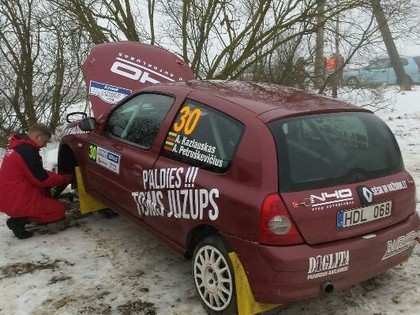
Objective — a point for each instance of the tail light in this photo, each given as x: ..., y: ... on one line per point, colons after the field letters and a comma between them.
x: 276, y: 225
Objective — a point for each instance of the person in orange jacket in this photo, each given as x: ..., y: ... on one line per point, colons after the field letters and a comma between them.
x: 332, y: 63
x: 335, y: 63
x: 24, y: 182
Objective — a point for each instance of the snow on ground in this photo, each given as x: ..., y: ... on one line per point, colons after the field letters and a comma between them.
x: 103, y: 265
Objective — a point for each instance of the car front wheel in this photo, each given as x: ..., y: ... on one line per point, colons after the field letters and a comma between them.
x: 214, y: 276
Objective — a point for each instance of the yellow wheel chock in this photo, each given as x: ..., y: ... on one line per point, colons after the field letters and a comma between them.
x: 244, y: 297
x: 87, y: 202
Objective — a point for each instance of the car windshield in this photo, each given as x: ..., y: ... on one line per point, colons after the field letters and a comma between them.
x: 321, y: 150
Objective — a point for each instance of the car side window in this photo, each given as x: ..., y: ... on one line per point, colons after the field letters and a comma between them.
x: 385, y: 63
x: 138, y: 120
x: 203, y: 137
x: 379, y: 64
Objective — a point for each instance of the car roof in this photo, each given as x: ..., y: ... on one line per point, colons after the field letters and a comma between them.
x: 269, y: 101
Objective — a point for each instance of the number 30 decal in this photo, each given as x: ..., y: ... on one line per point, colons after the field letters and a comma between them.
x: 92, y: 151
x: 188, y: 120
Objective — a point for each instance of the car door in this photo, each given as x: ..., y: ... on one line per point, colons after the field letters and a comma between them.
x: 392, y: 77
x: 118, y: 155
x: 184, y: 188
x: 378, y: 72
x: 415, y: 75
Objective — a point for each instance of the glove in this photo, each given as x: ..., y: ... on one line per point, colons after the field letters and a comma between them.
x: 67, y: 177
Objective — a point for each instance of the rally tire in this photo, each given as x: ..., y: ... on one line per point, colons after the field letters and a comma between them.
x: 214, y: 276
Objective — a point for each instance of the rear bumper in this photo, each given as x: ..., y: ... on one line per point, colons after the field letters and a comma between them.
x: 283, y: 274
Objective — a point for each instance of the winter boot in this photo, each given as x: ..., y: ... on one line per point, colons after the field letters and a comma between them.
x: 17, y: 225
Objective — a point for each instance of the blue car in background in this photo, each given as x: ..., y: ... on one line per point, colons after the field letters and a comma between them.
x: 379, y: 71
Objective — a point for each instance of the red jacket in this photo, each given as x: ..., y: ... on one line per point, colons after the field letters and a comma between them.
x: 23, y: 178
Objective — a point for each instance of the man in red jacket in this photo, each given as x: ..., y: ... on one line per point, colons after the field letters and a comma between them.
x: 24, y: 183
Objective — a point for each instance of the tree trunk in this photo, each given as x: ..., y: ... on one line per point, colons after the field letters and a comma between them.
x: 319, y: 75
x: 336, y: 76
x: 402, y: 78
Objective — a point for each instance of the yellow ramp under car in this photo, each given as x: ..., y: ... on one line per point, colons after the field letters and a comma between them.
x: 87, y: 202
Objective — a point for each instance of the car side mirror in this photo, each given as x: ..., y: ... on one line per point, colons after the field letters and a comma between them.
x: 75, y: 116
x: 87, y: 124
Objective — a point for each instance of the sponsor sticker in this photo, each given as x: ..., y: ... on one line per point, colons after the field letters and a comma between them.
x: 175, y: 187
x: 327, y: 200
x: 104, y: 157
x: 141, y: 70
x: 391, y: 186
x: 325, y: 265
x: 75, y: 130
x: 108, y: 93
x: 400, y: 244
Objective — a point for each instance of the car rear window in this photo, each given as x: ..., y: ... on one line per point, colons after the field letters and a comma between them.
x: 321, y: 150
x: 204, y: 137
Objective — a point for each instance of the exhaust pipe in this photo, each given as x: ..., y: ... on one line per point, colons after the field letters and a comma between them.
x: 327, y: 287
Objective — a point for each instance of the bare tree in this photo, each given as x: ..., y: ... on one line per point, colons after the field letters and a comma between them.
x: 105, y: 20
x: 151, y: 13
x: 83, y: 13
x: 40, y: 75
x: 42, y: 43
x: 355, y: 32
x: 230, y: 38
x: 224, y: 39
x: 402, y: 19
x: 218, y: 39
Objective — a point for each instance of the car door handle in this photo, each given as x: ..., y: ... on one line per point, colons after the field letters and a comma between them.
x: 138, y: 171
x: 117, y: 146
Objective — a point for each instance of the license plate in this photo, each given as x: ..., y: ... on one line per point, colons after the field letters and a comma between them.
x: 347, y: 218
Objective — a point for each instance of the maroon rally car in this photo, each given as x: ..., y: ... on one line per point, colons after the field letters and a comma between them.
x: 277, y: 191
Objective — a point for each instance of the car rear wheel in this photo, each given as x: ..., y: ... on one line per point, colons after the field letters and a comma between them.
x: 353, y: 82
x: 214, y: 276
